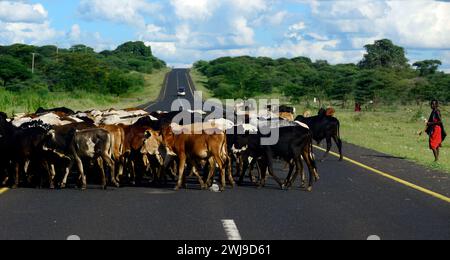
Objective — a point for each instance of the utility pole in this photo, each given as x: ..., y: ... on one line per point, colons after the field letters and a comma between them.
x: 32, y: 63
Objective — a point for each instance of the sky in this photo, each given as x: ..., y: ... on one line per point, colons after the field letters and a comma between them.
x: 183, y: 31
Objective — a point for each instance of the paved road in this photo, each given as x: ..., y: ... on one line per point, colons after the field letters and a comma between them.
x: 350, y: 202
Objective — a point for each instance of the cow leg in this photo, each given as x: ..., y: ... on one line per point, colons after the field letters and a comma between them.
x: 308, y: 156
x: 212, y: 170
x: 290, y: 178
x: 199, y: 177
x: 329, y: 144
x: 66, y: 175
x: 221, y: 165
x: 181, y: 167
x: 230, y: 173
x: 52, y: 176
x: 250, y: 172
x: 26, y: 166
x: 121, y: 163
x: 16, y: 176
x: 242, y: 167
x: 102, y: 172
x: 338, y: 142
x: 50, y: 173
x: 262, y: 172
x: 133, y: 173
x: 300, y: 170
x: 81, y: 170
x: 112, y: 169
x: 271, y: 171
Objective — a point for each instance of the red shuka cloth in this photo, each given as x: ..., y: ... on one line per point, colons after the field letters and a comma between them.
x: 436, y: 138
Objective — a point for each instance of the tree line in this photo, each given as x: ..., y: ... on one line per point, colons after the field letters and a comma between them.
x: 383, y: 76
x: 76, y: 68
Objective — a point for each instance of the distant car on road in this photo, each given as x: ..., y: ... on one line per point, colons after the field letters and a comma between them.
x: 182, y: 91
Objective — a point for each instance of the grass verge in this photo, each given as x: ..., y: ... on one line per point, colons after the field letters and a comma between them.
x: 200, y: 82
x: 394, y: 132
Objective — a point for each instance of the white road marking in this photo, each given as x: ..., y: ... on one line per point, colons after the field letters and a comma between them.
x: 231, y: 230
x: 374, y: 238
x: 189, y: 83
x: 73, y: 238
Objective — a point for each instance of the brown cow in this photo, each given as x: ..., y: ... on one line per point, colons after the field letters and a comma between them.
x: 132, y: 145
x: 153, y: 151
x: 198, y: 149
x: 117, y: 144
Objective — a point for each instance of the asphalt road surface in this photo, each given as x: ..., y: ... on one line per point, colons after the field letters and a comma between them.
x: 351, y: 201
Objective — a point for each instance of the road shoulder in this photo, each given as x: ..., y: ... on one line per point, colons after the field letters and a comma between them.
x: 400, y: 168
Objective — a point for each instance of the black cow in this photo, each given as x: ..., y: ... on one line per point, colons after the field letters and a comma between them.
x: 237, y: 144
x: 63, y: 110
x: 23, y: 146
x: 6, y: 130
x: 295, y: 143
x: 92, y: 144
x: 324, y: 127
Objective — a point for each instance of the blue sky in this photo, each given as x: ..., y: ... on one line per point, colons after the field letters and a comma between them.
x: 184, y: 31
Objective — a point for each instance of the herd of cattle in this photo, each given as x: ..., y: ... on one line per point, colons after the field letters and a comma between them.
x: 121, y: 147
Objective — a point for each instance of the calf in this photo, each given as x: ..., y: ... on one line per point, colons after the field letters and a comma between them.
x: 324, y: 126
x: 196, y: 149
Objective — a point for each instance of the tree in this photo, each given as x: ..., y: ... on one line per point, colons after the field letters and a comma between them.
x: 12, y: 69
x: 80, y: 48
x: 384, y: 54
x: 427, y: 67
x: 135, y: 49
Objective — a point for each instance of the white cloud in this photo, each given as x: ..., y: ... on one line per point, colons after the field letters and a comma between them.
x: 199, y: 10
x: 34, y: 33
x: 122, y: 11
x: 75, y: 33
x: 322, y: 50
x: 163, y: 49
x: 243, y: 34
x: 21, y: 22
x: 413, y: 24
x: 13, y: 11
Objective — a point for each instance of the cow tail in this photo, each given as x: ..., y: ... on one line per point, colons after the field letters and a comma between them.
x: 224, y: 150
x: 111, y: 143
x: 311, y: 152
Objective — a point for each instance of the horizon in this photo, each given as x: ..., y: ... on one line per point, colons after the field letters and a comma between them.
x: 182, y: 33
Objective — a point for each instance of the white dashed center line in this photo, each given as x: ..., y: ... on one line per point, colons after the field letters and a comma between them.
x: 73, y: 238
x: 231, y: 230
x: 374, y: 238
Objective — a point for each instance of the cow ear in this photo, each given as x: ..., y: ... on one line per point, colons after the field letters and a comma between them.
x: 148, y: 134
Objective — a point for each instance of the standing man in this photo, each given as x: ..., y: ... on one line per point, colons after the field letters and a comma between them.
x: 435, y: 129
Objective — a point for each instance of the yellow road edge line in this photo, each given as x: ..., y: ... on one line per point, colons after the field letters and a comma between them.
x: 389, y: 176
x: 3, y: 190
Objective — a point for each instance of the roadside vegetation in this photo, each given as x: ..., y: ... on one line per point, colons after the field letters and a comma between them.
x: 383, y: 77
x: 78, y: 77
x: 392, y: 130
x: 394, y: 95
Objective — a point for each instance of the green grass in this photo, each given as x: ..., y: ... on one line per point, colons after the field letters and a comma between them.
x: 394, y: 131
x: 200, y: 82
x: 28, y: 102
